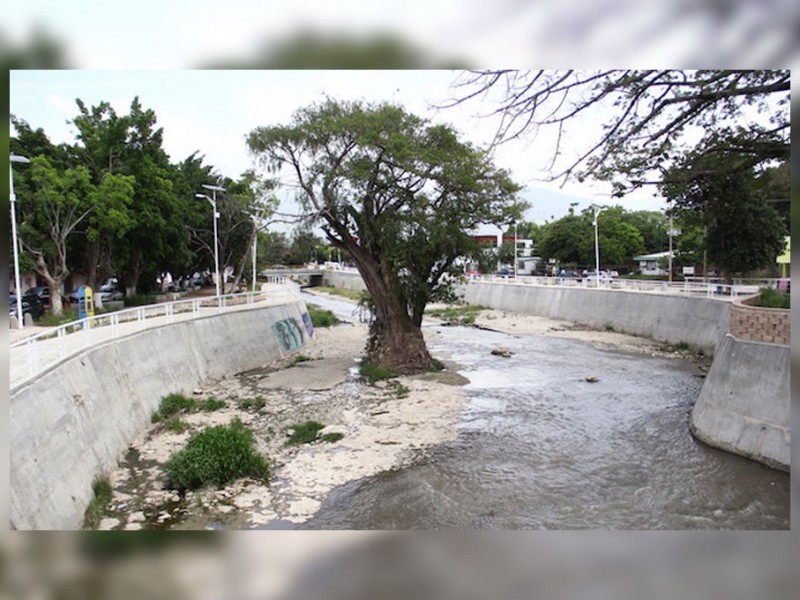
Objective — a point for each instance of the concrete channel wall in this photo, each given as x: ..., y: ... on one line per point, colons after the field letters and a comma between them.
x: 743, y: 406
x: 699, y: 322
x: 73, y: 423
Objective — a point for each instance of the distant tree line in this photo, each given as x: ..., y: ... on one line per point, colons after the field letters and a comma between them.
x: 114, y: 203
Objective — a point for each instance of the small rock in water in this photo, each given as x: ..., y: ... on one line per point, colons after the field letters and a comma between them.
x: 504, y: 352
x: 592, y: 379
x: 197, y: 392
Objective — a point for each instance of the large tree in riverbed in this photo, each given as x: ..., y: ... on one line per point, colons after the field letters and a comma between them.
x: 399, y: 195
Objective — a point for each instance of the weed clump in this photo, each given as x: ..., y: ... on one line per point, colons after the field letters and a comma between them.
x: 321, y: 317
x: 334, y: 436
x: 172, y: 404
x: 457, y: 315
x: 304, y: 433
x: 372, y: 372
x: 257, y: 403
x: 217, y: 456
x: 98, y: 507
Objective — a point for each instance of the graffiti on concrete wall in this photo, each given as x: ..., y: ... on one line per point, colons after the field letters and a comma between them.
x: 309, y: 325
x: 289, y: 334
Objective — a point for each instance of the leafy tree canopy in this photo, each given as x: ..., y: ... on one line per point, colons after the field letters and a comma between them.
x: 399, y: 195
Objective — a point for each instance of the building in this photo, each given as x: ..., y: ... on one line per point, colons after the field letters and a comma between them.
x: 650, y: 264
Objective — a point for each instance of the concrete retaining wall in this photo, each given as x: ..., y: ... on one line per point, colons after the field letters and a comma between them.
x: 344, y: 280
x: 699, y: 322
x: 73, y: 423
x: 743, y: 406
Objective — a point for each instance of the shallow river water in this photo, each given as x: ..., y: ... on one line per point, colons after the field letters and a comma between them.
x: 542, y: 448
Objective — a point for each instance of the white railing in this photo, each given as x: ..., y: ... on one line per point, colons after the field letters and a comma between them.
x: 708, y: 289
x: 31, y: 355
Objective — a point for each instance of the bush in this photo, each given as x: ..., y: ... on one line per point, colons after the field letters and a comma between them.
x: 217, y: 456
x: 304, y: 433
x: 321, y: 317
x: 170, y: 405
x: 772, y: 298
x: 334, y: 436
x: 176, y: 425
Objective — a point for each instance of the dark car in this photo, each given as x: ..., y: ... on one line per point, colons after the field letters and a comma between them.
x: 42, y: 292
x: 30, y: 305
x: 571, y: 274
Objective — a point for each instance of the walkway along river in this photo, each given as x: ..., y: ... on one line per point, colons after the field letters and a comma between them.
x: 540, y: 447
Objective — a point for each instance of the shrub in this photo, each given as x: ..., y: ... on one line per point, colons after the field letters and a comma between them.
x: 295, y: 360
x: 304, y: 433
x: 372, y: 372
x: 334, y: 436
x: 321, y: 317
x: 217, y: 456
x: 98, y: 507
x: 772, y: 298
x: 172, y: 404
x: 402, y: 391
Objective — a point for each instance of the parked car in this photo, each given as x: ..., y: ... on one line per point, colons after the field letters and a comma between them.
x: 30, y: 305
x: 570, y: 274
x: 42, y: 292
x: 110, y: 292
x: 504, y: 272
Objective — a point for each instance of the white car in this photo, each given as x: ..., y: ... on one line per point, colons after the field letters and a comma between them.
x: 109, y: 292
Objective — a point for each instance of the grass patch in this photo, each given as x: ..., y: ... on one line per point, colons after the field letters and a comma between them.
x: 334, y: 436
x: 402, y: 391
x: 48, y: 319
x: 98, y: 507
x: 176, y: 425
x: 350, y: 294
x: 257, y: 403
x: 217, y: 456
x: 457, y: 315
x: 372, y: 372
x: 772, y: 298
x: 210, y: 404
x: 437, y: 365
x: 304, y: 433
x: 170, y: 405
x: 321, y: 317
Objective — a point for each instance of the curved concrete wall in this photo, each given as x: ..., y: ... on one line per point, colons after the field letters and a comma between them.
x: 73, y: 422
x: 699, y: 322
x: 743, y: 406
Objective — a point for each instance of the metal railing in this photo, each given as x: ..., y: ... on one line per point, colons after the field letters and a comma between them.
x: 31, y: 355
x: 707, y: 289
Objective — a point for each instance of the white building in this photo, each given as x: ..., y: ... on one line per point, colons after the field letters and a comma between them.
x: 649, y: 263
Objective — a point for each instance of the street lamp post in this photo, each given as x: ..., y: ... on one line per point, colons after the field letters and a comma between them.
x: 213, y: 200
x: 255, y: 249
x: 597, y: 210
x: 13, y: 197
x: 515, y: 251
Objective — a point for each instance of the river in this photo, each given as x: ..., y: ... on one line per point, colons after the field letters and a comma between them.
x: 540, y: 447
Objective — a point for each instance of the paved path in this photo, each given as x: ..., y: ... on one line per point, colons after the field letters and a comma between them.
x: 29, y: 359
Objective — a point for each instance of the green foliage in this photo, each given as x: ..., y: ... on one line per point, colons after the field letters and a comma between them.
x: 99, y: 504
x: 217, y: 456
x: 257, y: 403
x: 297, y: 359
x: 398, y: 192
x: 373, y: 373
x: 724, y: 193
x: 176, y: 425
x: 772, y: 298
x: 457, y: 315
x: 210, y: 405
x: 402, y: 391
x: 321, y: 317
x: 48, y: 319
x: 172, y: 404
x: 304, y: 433
x: 331, y: 437
x: 139, y: 300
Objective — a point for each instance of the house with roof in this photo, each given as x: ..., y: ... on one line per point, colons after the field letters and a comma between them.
x: 650, y: 264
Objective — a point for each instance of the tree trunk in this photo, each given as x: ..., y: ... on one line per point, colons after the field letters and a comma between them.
x: 395, y: 343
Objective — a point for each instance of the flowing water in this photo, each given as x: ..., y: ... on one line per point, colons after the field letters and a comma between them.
x: 542, y: 448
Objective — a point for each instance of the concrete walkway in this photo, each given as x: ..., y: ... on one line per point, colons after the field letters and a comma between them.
x: 29, y: 359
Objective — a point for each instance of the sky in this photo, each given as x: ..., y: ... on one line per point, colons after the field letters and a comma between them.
x: 211, y: 112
